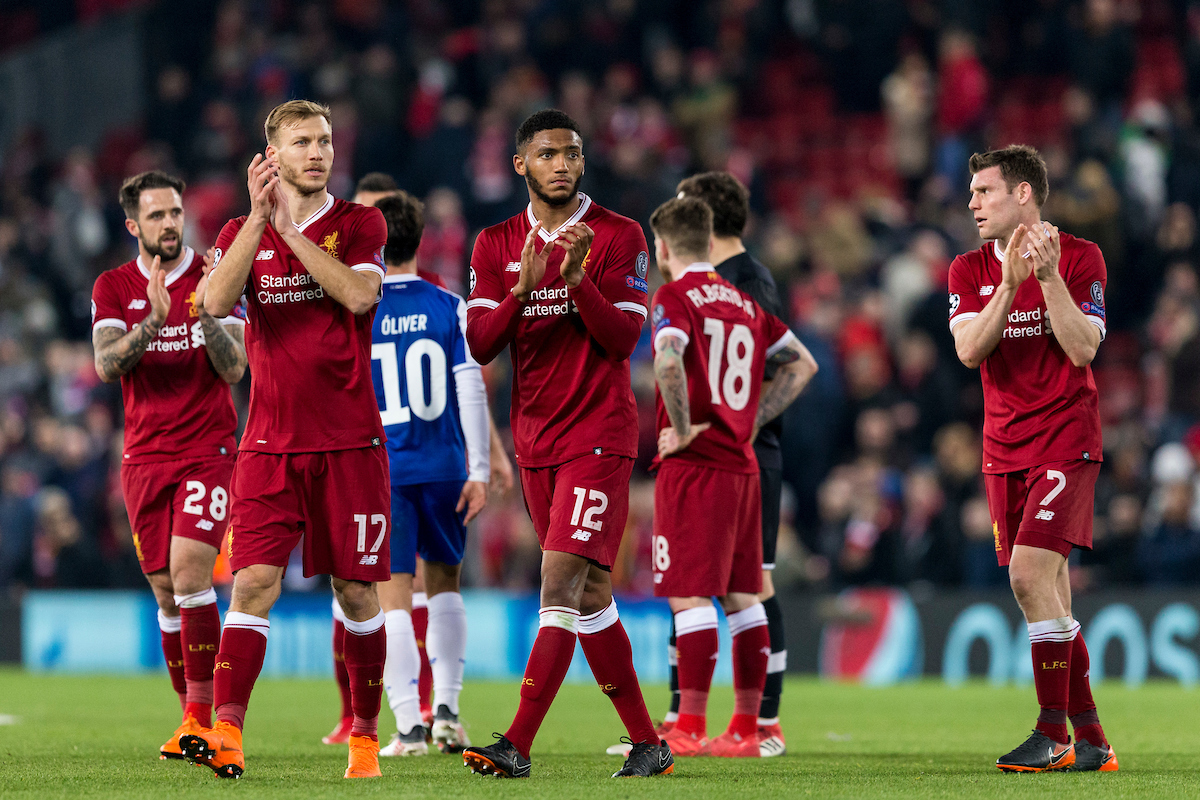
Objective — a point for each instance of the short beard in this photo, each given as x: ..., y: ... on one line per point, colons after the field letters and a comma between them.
x: 154, y: 249
x: 536, y: 188
x: 293, y: 179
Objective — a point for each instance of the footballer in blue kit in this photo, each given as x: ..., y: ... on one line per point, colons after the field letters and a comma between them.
x: 433, y: 406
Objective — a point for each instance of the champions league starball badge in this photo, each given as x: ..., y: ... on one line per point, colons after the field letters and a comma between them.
x: 643, y: 261
x: 472, y: 278
x: 954, y: 301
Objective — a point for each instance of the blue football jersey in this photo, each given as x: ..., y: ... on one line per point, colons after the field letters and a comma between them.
x: 417, y: 345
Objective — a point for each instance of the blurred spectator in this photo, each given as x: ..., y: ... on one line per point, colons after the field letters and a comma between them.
x: 855, y: 146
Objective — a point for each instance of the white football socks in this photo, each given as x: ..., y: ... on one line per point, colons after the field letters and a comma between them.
x: 402, y: 670
x: 446, y: 646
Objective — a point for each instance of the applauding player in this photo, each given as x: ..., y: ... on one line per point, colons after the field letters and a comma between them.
x: 312, y: 464
x: 1027, y: 308
x: 712, y: 344
x: 563, y: 284
x: 434, y: 410
x: 175, y: 363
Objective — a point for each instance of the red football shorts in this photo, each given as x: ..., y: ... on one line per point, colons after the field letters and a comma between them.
x: 1048, y: 506
x: 707, y: 531
x: 189, y: 499
x: 338, y: 501
x: 581, y: 506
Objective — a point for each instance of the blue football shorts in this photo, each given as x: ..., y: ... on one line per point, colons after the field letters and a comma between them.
x: 424, y: 522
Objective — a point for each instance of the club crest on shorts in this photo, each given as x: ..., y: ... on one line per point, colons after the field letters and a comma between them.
x: 1097, y: 293
x: 643, y: 262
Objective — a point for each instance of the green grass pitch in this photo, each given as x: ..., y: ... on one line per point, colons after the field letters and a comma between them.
x: 84, y: 737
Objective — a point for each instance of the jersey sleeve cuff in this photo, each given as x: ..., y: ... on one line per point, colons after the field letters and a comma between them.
x: 1099, y: 323
x: 479, y: 478
x: 110, y: 322
x: 636, y: 308
x: 482, y: 302
x: 670, y: 332
x: 232, y: 320
x: 369, y: 267
x: 963, y: 317
x: 783, y: 342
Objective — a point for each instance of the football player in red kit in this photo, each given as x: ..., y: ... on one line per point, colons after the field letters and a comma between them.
x: 311, y: 465
x: 563, y: 285
x: 1027, y: 308
x: 712, y: 343
x: 175, y: 361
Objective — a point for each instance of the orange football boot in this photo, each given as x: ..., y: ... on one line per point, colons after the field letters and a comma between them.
x: 340, y: 733
x: 364, y: 758
x: 732, y: 745
x: 219, y: 748
x: 171, y: 748
x: 685, y: 744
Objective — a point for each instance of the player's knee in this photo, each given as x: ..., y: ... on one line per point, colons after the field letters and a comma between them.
x: 1024, y: 583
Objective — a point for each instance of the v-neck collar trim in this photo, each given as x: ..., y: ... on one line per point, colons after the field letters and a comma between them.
x: 585, y: 204
x: 320, y: 212
x: 184, y: 264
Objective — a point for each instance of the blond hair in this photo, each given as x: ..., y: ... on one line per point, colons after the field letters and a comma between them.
x: 292, y: 112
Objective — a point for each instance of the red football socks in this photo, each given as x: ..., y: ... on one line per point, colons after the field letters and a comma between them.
x: 548, y: 663
x: 1081, y: 709
x: 696, y: 648
x: 606, y: 646
x: 366, y: 650
x: 751, y: 652
x: 243, y: 648
x: 1050, y: 644
x: 339, y: 667
x: 172, y: 646
x: 420, y: 620
x: 201, y: 636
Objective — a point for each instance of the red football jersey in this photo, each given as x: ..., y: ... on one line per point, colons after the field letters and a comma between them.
x: 1038, y: 406
x: 310, y: 357
x: 728, y: 339
x: 176, y: 405
x: 570, y: 395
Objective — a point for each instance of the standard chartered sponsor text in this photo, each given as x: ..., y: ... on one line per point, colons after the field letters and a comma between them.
x: 1015, y: 330
x: 267, y: 282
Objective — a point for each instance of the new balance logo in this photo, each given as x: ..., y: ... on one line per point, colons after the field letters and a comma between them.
x: 204, y: 524
x: 137, y: 305
x: 985, y: 291
x: 368, y: 561
x: 582, y: 536
x: 1045, y: 515
x: 264, y: 255
x: 513, y: 266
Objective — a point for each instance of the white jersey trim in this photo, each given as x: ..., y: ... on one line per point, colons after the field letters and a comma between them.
x: 320, y: 212
x: 401, y: 278
x: 1099, y: 323
x: 963, y: 317
x: 585, y: 203
x: 232, y: 320
x: 699, y: 266
x: 783, y: 342
x: 370, y: 268
x: 175, y: 274
x: 482, y: 302
x: 637, y: 308
x: 670, y: 332
x: 110, y: 322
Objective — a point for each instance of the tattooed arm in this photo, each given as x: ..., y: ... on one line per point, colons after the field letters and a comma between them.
x: 672, y: 385
x: 226, y: 347
x: 117, y: 352
x: 795, y: 367
x: 225, y: 344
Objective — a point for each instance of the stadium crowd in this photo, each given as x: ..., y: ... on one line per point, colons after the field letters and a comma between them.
x: 850, y: 121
